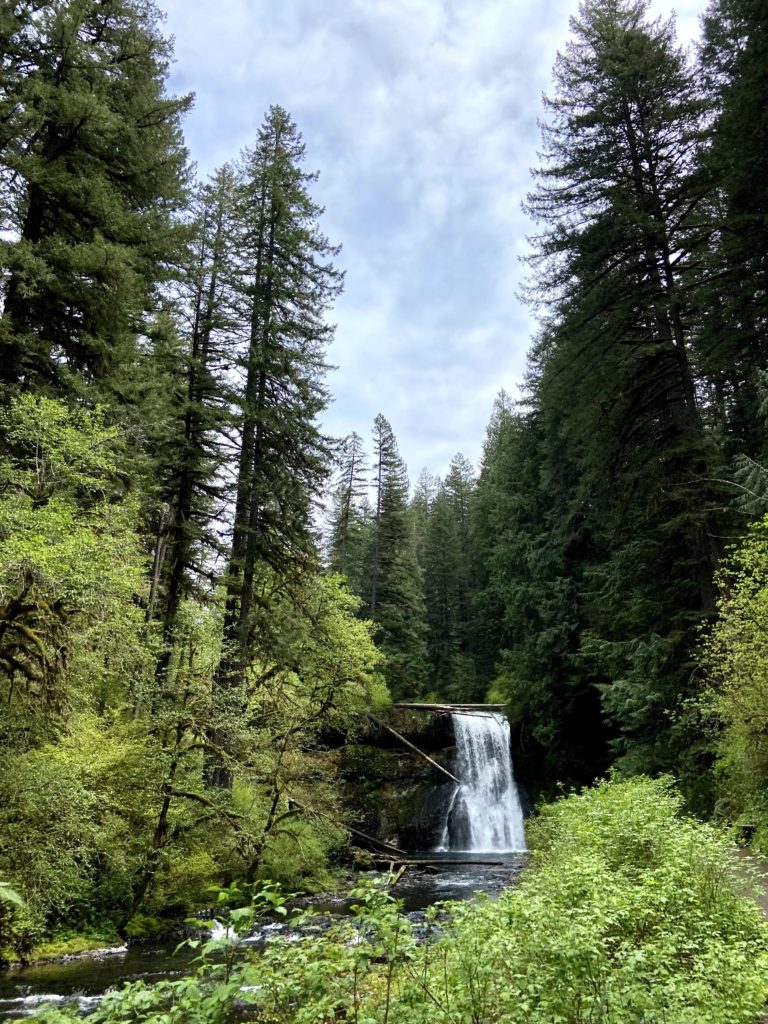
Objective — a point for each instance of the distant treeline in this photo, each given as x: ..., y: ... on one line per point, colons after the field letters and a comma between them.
x: 575, y: 576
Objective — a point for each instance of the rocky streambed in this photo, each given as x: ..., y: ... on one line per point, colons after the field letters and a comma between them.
x: 82, y: 980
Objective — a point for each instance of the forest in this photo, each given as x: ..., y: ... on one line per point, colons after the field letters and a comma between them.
x: 203, y: 596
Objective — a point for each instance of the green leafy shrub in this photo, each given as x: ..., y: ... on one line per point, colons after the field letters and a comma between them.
x: 300, y: 857
x: 629, y: 913
x: 735, y: 655
x: 71, y: 563
x: 51, y: 839
x: 11, y: 914
x: 74, y: 816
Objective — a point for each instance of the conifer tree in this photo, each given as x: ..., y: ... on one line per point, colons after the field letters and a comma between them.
x: 93, y: 172
x: 396, y: 601
x: 440, y: 594
x: 733, y: 308
x: 449, y: 585
x: 424, y: 494
x: 286, y: 283
x: 534, y: 548
x: 350, y: 514
x: 489, y: 524
x: 190, y: 456
x: 624, y: 206
x: 459, y: 489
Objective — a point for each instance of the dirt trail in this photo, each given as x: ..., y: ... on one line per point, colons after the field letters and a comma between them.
x: 761, y: 867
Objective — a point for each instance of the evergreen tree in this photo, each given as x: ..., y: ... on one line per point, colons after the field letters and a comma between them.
x: 733, y: 307
x: 488, y: 524
x: 93, y: 170
x: 449, y: 586
x: 533, y: 546
x: 424, y: 494
x: 190, y: 457
x: 623, y: 205
x: 286, y: 283
x: 440, y: 594
x: 350, y: 515
x: 396, y: 600
x: 459, y: 489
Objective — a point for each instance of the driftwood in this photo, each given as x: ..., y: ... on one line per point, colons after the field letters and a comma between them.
x: 449, y: 709
x: 395, y: 876
x: 408, y: 861
x: 388, y: 847
x: 411, y: 746
x: 372, y: 839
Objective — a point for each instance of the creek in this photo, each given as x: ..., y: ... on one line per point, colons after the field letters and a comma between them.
x: 84, y: 979
x: 482, y: 817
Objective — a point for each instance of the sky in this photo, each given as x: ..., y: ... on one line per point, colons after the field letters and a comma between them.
x: 421, y: 117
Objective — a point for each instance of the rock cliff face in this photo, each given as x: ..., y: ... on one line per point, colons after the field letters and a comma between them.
x: 394, y: 794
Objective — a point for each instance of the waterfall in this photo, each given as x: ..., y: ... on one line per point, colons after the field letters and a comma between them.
x: 484, y: 813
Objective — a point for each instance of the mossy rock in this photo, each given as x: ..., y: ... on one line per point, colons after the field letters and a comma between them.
x: 145, y: 926
x: 394, y: 794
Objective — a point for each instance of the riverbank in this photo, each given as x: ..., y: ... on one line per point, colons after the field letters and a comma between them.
x: 74, y: 948
x: 630, y: 912
x: 82, y: 978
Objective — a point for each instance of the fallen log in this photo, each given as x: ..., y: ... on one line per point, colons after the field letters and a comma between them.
x: 411, y: 746
x: 395, y: 876
x: 447, y: 709
x: 390, y: 849
x: 439, y: 862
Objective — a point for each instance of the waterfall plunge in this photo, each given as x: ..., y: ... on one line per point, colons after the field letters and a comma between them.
x: 484, y: 813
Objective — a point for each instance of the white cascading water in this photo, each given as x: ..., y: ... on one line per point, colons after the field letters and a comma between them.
x: 484, y: 814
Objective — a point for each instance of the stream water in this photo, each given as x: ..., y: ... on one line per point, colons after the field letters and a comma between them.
x: 483, y: 823
x: 83, y: 980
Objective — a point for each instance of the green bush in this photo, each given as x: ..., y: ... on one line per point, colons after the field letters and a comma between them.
x: 299, y: 858
x: 735, y: 657
x: 74, y: 822
x: 629, y: 914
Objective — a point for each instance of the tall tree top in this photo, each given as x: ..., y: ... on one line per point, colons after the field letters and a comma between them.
x: 92, y: 171
x: 624, y: 101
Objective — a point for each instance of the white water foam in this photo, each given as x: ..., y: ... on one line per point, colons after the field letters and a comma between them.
x: 484, y: 813
x: 29, y: 1006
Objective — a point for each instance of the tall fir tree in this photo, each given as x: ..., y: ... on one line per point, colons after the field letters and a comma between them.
x: 350, y: 514
x: 448, y: 566
x: 190, y: 455
x: 424, y: 494
x: 534, y: 546
x: 395, y: 588
x: 286, y: 283
x: 732, y: 307
x: 624, y: 205
x: 93, y: 173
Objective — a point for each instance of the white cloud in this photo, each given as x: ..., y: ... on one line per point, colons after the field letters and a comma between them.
x: 421, y: 116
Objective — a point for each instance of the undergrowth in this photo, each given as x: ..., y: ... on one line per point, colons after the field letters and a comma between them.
x: 629, y: 913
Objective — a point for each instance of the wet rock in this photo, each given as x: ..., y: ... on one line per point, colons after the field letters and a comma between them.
x: 394, y: 794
